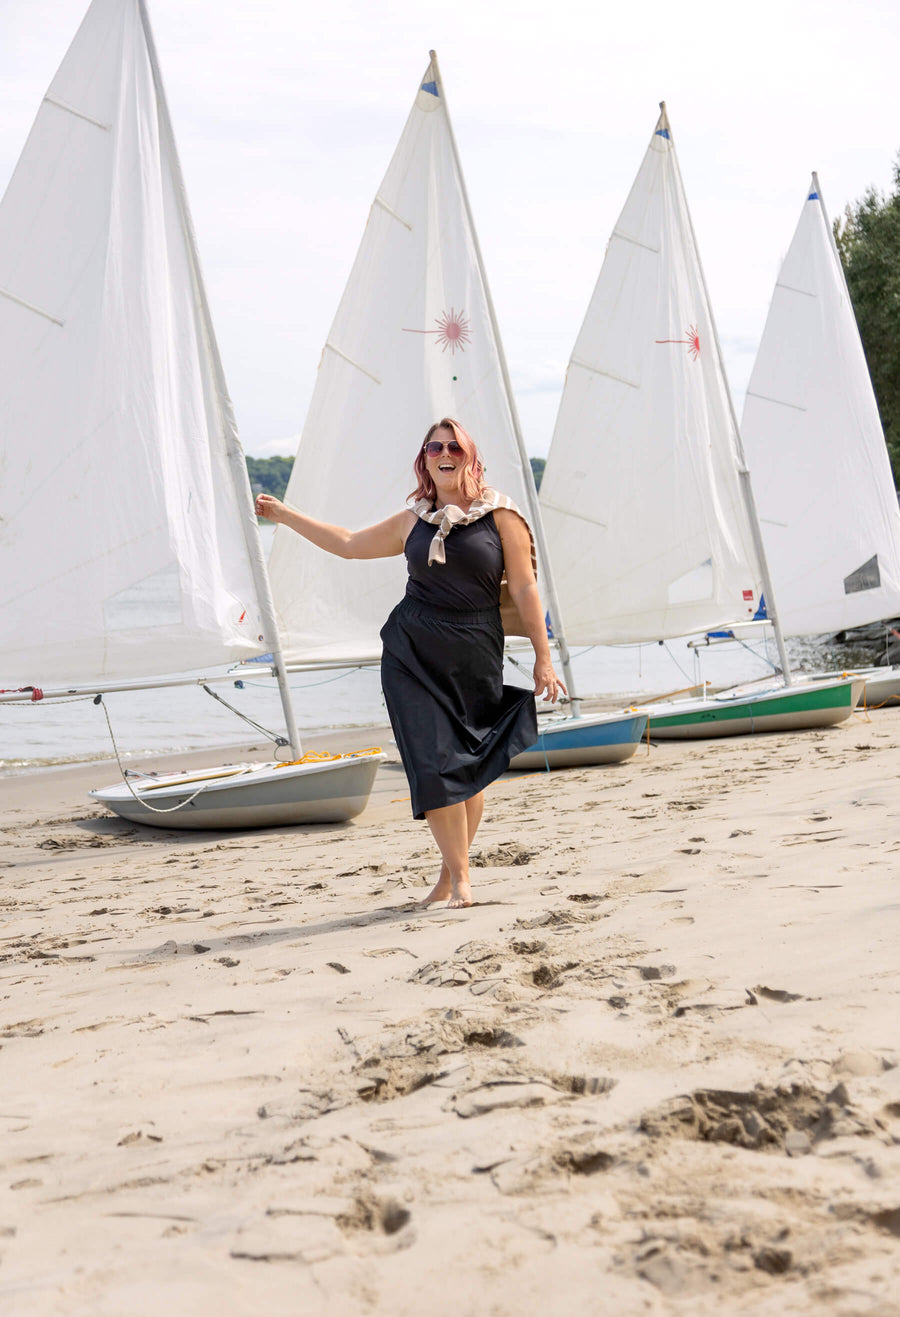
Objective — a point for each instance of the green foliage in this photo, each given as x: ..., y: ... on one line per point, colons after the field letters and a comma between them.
x: 868, y: 239
x: 269, y: 475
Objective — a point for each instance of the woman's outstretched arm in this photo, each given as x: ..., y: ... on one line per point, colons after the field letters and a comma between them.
x: 524, y: 593
x: 383, y: 540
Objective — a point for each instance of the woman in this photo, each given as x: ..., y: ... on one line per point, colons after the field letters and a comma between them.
x: 456, y: 725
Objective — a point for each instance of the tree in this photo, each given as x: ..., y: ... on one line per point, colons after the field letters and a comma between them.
x: 269, y: 475
x: 868, y: 240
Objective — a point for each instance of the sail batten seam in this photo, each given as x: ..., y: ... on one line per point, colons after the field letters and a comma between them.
x: 626, y: 237
x: 779, y: 402
x: 578, y: 516
x: 597, y: 370
x: 789, y: 288
x: 379, y: 201
x: 350, y: 362
x: 19, y: 301
x: 79, y: 114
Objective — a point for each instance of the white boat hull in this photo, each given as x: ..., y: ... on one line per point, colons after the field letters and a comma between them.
x: 882, y: 684
x: 249, y: 795
x: 882, y: 687
x: 583, y: 742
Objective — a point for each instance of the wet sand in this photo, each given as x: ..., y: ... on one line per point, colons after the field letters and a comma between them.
x: 652, y: 1070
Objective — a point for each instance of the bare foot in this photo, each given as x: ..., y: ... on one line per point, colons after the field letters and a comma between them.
x: 462, y: 894
x: 442, y: 890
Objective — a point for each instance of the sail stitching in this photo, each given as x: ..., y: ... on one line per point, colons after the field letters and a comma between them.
x: 779, y: 402
x: 384, y: 206
x: 79, y: 114
x: 596, y: 370
x: 350, y: 362
x: 29, y: 307
x: 626, y: 237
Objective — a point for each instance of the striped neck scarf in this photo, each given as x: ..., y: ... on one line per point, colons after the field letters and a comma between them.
x: 447, y: 517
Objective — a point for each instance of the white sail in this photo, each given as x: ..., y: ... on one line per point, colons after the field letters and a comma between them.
x: 412, y: 341
x: 647, y: 528
x: 122, y: 551
x: 821, y: 474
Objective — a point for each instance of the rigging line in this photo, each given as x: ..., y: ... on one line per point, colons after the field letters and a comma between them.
x: 520, y: 667
x: 756, y: 654
x: 310, y: 685
x: 278, y: 740
x: 675, y: 661
x: 30, y: 704
x: 154, y: 809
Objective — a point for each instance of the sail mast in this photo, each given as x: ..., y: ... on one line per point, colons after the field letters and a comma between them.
x: 235, y: 453
x: 531, y: 492
x: 743, y: 470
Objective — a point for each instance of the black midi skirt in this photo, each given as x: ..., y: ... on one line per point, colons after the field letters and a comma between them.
x: 455, y: 723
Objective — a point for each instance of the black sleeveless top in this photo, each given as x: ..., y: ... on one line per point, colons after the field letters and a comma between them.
x: 470, y: 578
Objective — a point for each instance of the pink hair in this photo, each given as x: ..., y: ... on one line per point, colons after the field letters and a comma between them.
x: 471, y: 479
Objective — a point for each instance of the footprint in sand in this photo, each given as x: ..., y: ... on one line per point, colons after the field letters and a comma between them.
x: 791, y: 1118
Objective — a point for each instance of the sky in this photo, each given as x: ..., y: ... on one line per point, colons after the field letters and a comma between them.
x: 287, y: 113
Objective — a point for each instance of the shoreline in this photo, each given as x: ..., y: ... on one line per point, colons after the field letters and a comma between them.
x: 67, y: 784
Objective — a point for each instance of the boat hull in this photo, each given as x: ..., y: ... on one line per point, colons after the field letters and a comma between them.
x: 584, y: 742
x: 250, y: 796
x: 787, y: 709
x: 882, y: 687
x: 882, y: 684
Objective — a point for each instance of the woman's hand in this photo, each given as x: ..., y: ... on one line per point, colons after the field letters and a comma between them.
x: 545, y: 679
x: 269, y: 507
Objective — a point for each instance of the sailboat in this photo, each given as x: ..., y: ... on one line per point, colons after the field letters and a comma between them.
x: 822, y: 478
x: 415, y: 338
x: 646, y: 496
x: 129, y: 547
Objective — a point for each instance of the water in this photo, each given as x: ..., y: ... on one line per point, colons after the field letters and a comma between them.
x: 186, y: 718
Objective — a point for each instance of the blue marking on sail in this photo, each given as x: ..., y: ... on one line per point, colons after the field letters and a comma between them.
x: 429, y: 86
x: 662, y: 132
x: 759, y: 616
x: 813, y: 196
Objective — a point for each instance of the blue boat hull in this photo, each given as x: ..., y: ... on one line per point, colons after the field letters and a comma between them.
x: 580, y: 742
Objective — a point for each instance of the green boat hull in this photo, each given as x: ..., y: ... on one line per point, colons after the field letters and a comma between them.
x: 788, y: 709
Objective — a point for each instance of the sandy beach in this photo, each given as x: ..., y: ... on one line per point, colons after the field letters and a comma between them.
x: 653, y: 1070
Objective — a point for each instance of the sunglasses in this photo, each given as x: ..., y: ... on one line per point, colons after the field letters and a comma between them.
x: 434, y: 448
